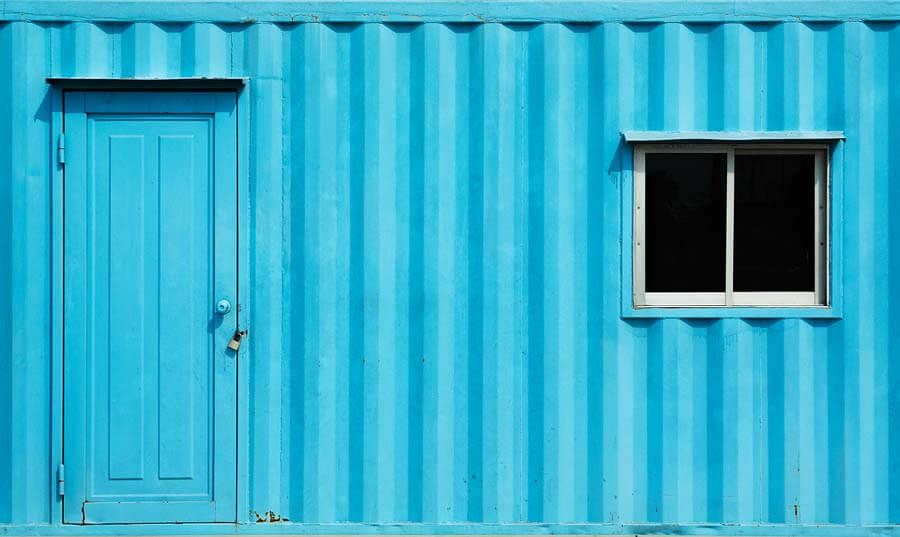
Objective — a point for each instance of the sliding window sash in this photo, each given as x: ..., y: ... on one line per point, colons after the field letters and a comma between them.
x: 819, y: 297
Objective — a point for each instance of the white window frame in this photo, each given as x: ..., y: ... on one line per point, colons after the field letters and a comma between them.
x: 817, y: 298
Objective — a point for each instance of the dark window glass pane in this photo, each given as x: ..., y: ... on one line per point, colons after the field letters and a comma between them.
x: 774, y: 223
x: 685, y: 222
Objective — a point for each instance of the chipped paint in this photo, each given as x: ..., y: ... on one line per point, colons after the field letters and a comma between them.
x: 268, y: 516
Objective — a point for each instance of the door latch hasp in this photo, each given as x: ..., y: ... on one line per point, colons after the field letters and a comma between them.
x: 61, y: 480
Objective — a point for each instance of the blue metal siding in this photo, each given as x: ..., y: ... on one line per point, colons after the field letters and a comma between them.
x: 25, y: 238
x: 435, y: 257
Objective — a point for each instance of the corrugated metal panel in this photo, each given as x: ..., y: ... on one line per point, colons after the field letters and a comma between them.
x: 25, y: 275
x: 435, y: 264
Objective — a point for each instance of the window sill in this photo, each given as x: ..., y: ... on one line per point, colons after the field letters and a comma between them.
x: 734, y: 312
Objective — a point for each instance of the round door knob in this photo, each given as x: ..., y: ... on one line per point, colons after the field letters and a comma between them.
x: 223, y: 307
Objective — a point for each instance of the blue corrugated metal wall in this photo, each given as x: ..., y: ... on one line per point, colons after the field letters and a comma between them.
x: 435, y: 268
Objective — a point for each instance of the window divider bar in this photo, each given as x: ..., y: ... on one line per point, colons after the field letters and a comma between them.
x: 729, y: 228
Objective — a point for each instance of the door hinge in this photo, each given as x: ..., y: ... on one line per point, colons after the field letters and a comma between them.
x: 61, y: 148
x: 61, y: 480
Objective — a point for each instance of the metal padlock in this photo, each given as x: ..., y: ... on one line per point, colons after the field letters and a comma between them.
x: 235, y: 342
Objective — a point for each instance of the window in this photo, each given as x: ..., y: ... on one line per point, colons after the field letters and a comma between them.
x: 740, y: 225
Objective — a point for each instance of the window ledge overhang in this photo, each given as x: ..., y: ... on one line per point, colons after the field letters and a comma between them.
x: 631, y: 136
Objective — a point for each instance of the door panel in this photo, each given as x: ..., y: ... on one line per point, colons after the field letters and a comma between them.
x: 150, y: 247
x: 152, y: 355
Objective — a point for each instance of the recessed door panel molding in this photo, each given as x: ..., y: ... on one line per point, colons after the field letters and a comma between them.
x: 150, y: 234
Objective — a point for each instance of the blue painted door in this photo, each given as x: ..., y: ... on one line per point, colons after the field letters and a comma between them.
x: 150, y: 249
